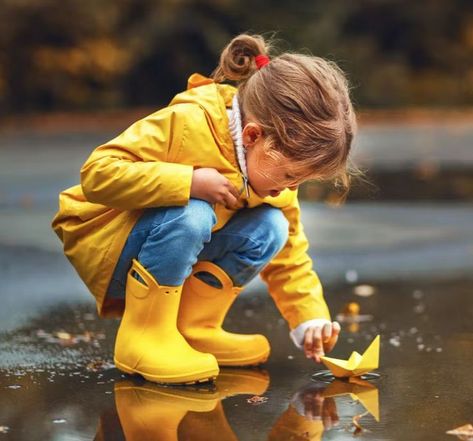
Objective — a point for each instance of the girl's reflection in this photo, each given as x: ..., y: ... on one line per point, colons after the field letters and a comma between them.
x: 146, y: 411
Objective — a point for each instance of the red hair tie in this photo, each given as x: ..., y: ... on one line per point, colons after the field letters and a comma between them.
x: 261, y: 61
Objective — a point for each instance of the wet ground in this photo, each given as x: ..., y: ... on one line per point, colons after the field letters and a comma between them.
x: 57, y: 379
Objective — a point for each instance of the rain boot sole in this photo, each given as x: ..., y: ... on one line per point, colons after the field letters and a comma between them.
x: 191, y: 378
x: 245, y: 361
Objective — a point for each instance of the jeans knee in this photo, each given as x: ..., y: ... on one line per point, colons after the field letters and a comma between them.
x: 271, y: 231
x: 197, y: 220
x: 277, y: 229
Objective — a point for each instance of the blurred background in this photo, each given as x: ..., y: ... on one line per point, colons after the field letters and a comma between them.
x: 74, y: 74
x: 100, y: 55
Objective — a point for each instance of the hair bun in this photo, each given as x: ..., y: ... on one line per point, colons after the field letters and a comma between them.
x: 237, y: 61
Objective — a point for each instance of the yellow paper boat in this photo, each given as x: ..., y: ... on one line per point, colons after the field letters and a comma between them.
x: 359, y: 390
x: 357, y: 364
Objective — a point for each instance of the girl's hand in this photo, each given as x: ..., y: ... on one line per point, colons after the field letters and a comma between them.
x: 320, y: 339
x: 316, y: 407
x: 210, y: 185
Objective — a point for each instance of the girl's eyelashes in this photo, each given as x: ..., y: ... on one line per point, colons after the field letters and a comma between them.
x: 291, y: 180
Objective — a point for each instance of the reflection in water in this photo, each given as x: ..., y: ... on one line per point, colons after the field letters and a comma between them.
x: 359, y: 390
x: 430, y: 363
x: 313, y: 409
x: 147, y: 411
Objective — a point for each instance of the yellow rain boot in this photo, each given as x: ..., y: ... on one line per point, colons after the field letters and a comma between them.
x: 148, y: 341
x: 152, y: 412
x: 201, y: 314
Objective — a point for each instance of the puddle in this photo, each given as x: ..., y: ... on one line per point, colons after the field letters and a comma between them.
x: 53, y: 390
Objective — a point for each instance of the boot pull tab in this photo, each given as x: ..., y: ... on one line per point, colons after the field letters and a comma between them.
x: 219, y: 273
x: 237, y: 290
x: 139, y: 269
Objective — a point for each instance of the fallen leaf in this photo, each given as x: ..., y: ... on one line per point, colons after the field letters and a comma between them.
x: 67, y: 339
x: 356, y: 422
x: 63, y: 335
x: 351, y: 308
x: 464, y: 433
x: 256, y: 400
x: 99, y: 365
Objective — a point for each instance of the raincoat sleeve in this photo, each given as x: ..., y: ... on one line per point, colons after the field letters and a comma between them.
x: 136, y: 169
x: 292, y: 283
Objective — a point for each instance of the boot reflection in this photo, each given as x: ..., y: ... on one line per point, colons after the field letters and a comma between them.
x: 109, y: 427
x: 240, y: 381
x: 213, y: 425
x: 148, y: 411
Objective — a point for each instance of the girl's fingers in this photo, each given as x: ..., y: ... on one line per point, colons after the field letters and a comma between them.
x: 327, y: 332
x: 308, y: 342
x: 336, y: 327
x: 232, y: 189
x: 332, y: 411
x: 320, y: 340
x: 317, y: 345
x: 235, y: 191
x: 334, y: 337
x: 318, y: 403
x: 230, y: 201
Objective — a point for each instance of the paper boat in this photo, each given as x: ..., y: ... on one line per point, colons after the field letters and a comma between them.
x: 359, y: 390
x: 357, y: 364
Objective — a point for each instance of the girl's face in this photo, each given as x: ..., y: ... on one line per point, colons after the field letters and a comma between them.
x: 266, y: 176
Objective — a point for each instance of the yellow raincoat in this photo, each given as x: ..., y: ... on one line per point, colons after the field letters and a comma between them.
x: 150, y: 165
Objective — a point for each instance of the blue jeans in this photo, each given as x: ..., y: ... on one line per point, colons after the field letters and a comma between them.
x: 168, y: 241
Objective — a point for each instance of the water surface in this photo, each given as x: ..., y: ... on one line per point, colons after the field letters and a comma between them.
x: 58, y: 382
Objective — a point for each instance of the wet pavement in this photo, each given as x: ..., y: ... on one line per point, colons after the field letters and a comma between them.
x: 57, y: 380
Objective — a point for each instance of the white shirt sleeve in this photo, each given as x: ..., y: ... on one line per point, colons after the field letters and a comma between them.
x: 297, y: 334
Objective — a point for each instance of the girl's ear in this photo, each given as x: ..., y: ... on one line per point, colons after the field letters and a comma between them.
x: 252, y: 133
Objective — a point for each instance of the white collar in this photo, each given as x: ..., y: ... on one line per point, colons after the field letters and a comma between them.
x: 236, y: 131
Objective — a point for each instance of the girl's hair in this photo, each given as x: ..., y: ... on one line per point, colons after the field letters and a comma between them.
x: 302, y: 103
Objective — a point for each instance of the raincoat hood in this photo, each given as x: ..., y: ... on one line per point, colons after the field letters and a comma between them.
x: 213, y: 98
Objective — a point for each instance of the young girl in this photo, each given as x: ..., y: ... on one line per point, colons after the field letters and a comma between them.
x: 175, y: 215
